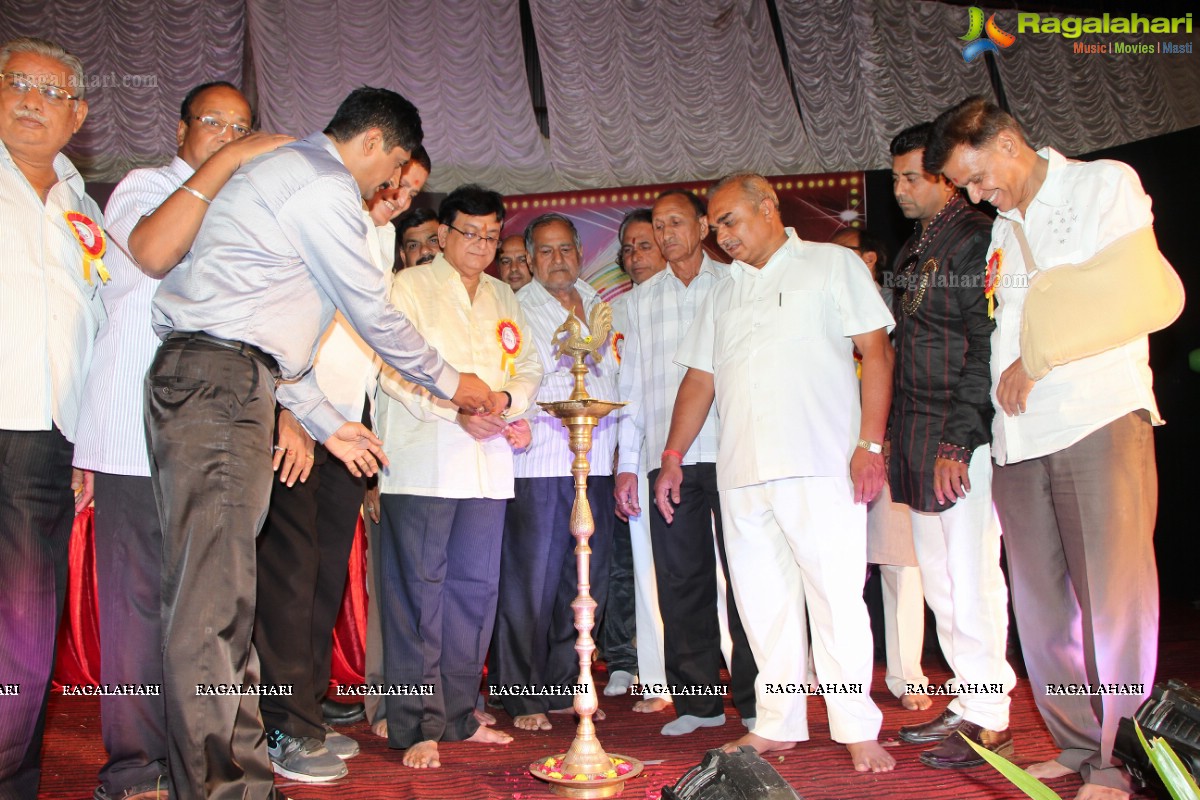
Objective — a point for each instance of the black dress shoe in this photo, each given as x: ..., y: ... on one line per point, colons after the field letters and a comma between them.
x: 933, y: 731
x: 336, y: 713
x: 954, y: 753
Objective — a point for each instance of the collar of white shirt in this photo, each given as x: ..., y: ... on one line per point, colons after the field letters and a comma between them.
x: 445, y: 272
x: 1052, y: 192
x: 708, y: 266
x: 534, y: 294
x: 62, y: 167
x: 789, y: 248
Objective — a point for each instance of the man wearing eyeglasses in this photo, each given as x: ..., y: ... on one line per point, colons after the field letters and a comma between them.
x: 152, y: 219
x: 284, y: 245
x: 50, y: 310
x: 445, y: 492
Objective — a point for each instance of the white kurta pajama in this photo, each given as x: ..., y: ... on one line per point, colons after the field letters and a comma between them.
x: 777, y: 341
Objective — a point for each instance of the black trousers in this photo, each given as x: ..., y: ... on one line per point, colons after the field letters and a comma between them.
x: 303, y: 558
x: 210, y: 418
x: 129, y: 589
x: 534, y: 644
x: 620, y: 618
x: 439, y: 566
x: 36, y: 514
x: 686, y: 572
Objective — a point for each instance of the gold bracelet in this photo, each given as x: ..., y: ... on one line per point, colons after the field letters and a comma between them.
x: 195, y: 193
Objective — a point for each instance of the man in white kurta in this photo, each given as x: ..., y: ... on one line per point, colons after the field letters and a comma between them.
x: 446, y: 489
x: 797, y: 461
x: 49, y: 311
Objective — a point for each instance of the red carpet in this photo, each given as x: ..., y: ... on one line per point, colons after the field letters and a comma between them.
x: 819, y: 769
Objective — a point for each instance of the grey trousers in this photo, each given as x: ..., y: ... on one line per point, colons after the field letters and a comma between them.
x: 1078, y: 531
x: 129, y: 589
x: 210, y: 419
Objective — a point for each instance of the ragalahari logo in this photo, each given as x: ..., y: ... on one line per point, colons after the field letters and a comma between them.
x: 996, y: 39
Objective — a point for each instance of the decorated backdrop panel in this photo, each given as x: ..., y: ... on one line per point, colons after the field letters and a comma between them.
x: 817, y: 206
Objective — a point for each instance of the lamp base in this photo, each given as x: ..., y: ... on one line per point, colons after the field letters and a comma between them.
x: 590, y: 785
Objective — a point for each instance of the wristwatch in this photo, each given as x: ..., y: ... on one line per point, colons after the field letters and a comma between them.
x: 870, y: 447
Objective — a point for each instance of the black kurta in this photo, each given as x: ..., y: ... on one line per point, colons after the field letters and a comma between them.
x: 942, y: 381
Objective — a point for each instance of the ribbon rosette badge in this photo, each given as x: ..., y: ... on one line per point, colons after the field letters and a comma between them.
x: 991, y: 278
x: 92, y: 240
x: 995, y: 41
x: 509, y: 336
x: 618, y: 345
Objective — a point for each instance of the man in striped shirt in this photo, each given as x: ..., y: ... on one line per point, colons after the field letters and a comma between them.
x: 632, y: 595
x: 685, y: 564
x: 151, y: 219
x: 534, y: 642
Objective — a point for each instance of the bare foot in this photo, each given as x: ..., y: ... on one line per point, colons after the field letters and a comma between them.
x: 916, y: 702
x: 1094, y: 791
x: 870, y: 757
x: 483, y: 717
x: 651, y: 705
x: 758, y: 743
x: 599, y: 716
x: 379, y: 728
x: 488, y: 736
x: 422, y: 755
x: 532, y: 722
x: 1048, y: 770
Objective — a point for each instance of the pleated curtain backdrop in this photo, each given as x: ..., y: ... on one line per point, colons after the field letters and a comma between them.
x: 637, y: 91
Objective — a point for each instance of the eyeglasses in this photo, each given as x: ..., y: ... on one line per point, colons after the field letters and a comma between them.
x: 218, y: 128
x: 471, y: 236
x: 21, y: 84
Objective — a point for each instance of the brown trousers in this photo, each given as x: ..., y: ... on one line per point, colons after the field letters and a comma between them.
x: 1078, y: 530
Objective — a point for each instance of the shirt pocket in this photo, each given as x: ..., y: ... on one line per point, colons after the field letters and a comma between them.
x: 797, y: 315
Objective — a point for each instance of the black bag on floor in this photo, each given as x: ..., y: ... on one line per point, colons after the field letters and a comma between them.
x: 742, y: 775
x: 1173, y: 712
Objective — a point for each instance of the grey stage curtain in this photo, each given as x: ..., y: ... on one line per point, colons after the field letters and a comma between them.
x: 140, y: 60
x: 460, y: 63
x: 865, y: 69
x: 649, y: 91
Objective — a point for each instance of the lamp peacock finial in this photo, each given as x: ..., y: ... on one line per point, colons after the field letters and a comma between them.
x: 576, y: 345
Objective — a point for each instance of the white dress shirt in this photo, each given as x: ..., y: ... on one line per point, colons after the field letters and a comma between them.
x: 777, y: 341
x: 548, y: 455
x: 660, y: 312
x: 1081, y: 208
x: 346, y: 367
x: 48, y: 313
x: 430, y: 454
x: 114, y: 440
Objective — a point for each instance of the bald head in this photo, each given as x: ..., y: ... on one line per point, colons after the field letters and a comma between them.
x: 744, y: 210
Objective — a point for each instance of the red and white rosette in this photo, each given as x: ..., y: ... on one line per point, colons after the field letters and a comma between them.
x: 91, y: 239
x: 510, y: 339
x: 618, y: 346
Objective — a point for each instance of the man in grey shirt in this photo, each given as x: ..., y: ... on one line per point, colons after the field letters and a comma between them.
x: 282, y: 247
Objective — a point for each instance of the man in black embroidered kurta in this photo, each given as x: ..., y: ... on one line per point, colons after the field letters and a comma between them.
x: 940, y: 461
